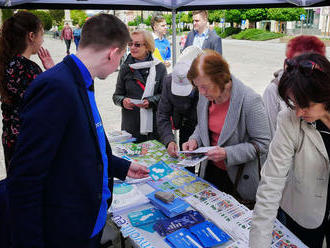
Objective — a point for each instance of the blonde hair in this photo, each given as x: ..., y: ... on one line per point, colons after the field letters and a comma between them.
x: 148, y: 39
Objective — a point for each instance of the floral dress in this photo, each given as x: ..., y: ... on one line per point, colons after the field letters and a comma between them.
x: 19, y: 73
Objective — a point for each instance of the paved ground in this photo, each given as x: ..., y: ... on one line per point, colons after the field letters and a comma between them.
x: 252, y: 62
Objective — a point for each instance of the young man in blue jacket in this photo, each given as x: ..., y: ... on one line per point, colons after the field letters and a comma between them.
x: 61, y: 176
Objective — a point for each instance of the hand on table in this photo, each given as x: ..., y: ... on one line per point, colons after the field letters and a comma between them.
x: 127, y: 104
x: 172, y: 149
x: 46, y: 58
x: 217, y: 154
x: 137, y: 171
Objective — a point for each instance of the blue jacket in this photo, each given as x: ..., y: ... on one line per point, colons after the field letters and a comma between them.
x: 55, y: 176
x: 212, y: 41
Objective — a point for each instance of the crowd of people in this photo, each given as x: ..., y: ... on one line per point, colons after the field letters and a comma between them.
x: 272, y: 151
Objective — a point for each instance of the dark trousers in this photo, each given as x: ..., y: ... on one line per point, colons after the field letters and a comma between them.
x: 219, y: 178
x: 311, y: 237
x: 67, y: 44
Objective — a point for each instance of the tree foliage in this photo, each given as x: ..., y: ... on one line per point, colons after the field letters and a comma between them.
x: 57, y: 15
x: 78, y: 17
x: 255, y: 15
x: 148, y: 20
x: 45, y: 18
x: 136, y: 21
x: 216, y: 15
x: 285, y: 14
x: 234, y: 15
x: 6, y: 13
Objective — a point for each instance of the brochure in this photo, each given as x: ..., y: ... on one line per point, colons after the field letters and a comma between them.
x: 125, y: 197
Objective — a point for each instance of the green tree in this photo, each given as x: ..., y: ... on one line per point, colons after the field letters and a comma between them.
x: 78, y: 17
x: 234, y: 15
x: 186, y: 18
x: 216, y: 15
x: 45, y: 18
x: 6, y: 13
x: 57, y: 15
x: 285, y: 14
x: 255, y: 15
x: 148, y: 20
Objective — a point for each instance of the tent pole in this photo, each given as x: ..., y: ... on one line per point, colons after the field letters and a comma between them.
x: 173, y: 37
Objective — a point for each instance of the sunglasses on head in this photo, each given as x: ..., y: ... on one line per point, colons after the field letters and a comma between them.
x: 136, y: 44
x: 306, y: 67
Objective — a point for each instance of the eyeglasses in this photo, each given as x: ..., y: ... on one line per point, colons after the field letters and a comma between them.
x: 130, y: 44
x: 306, y: 67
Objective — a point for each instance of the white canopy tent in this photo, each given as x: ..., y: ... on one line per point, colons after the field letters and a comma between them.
x: 165, y: 5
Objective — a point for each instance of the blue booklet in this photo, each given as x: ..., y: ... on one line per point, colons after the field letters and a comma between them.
x: 146, y: 216
x: 209, y: 234
x: 182, y: 238
x: 159, y: 170
x: 187, y: 219
x: 174, y: 208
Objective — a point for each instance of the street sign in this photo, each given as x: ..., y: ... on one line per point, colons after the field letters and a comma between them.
x: 243, y: 22
x: 302, y: 17
x: 222, y: 20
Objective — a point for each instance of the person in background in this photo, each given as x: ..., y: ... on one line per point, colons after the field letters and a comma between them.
x: 67, y: 35
x: 178, y: 101
x: 231, y: 117
x: 295, y: 176
x: 76, y: 36
x: 21, y: 37
x: 60, y: 179
x: 201, y: 36
x: 140, y: 78
x: 295, y: 47
x: 159, y: 27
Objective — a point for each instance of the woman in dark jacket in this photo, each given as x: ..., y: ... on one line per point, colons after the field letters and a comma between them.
x: 179, y: 101
x: 140, y: 78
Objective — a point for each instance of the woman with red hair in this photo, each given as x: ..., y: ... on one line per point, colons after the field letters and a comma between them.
x: 295, y: 47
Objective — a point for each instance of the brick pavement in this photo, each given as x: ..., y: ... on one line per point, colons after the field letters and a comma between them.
x: 252, y: 62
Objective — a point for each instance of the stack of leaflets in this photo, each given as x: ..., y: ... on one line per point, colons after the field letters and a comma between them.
x: 171, y: 209
x: 145, y: 219
x: 126, y: 197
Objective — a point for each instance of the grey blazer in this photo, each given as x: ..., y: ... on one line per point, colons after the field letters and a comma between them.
x: 212, y: 41
x: 246, y: 121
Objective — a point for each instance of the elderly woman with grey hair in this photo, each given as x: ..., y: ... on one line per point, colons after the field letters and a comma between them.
x: 139, y: 86
x: 232, y: 118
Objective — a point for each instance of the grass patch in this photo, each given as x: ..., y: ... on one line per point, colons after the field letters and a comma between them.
x: 256, y: 34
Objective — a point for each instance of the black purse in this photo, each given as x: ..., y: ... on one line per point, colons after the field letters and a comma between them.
x: 248, y: 203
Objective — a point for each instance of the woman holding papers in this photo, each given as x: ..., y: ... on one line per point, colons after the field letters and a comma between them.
x: 296, y: 173
x: 139, y: 87
x: 231, y: 116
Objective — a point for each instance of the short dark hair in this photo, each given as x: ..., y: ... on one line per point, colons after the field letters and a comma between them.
x: 156, y: 19
x: 104, y: 30
x: 213, y: 65
x: 307, y: 87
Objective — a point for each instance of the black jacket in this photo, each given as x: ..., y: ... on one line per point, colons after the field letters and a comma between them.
x: 127, y: 86
x: 182, y: 109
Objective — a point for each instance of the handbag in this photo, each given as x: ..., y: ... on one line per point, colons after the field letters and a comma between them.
x: 248, y: 203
